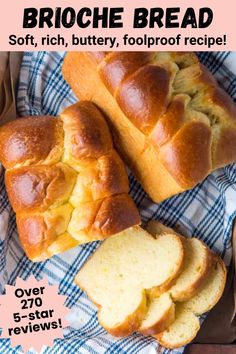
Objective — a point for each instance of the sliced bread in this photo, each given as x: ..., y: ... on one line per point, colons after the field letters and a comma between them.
x: 186, y: 324
x: 211, y: 290
x: 196, y: 265
x: 160, y: 315
x: 118, y: 274
x: 195, y: 270
x: 181, y: 331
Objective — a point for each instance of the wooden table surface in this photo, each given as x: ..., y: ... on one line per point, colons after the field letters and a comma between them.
x: 211, y: 349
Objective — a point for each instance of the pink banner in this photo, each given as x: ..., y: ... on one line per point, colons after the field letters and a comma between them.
x: 32, y: 313
x: 118, y: 25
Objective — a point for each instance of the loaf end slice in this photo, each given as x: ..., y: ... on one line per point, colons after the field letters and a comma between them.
x: 211, y: 290
x: 186, y: 325
x: 182, y: 331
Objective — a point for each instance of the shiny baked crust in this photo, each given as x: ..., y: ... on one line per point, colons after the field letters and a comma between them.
x: 64, y: 180
x: 165, y: 108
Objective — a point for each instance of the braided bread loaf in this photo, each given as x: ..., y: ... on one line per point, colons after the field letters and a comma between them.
x: 171, y: 121
x: 64, y: 180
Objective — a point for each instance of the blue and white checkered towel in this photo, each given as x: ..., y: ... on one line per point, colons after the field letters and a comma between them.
x: 206, y: 212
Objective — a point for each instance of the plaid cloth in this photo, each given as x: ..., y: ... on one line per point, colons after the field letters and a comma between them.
x: 206, y: 212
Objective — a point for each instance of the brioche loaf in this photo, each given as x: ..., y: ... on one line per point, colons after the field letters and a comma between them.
x: 120, y: 272
x: 64, y: 180
x: 171, y: 121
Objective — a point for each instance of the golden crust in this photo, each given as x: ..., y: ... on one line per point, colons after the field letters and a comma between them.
x: 100, y: 179
x: 31, y: 140
x: 170, y: 122
x: 225, y: 149
x: 87, y: 136
x: 118, y: 66
x: 189, y: 163
x: 37, y: 188
x: 37, y: 231
x: 102, y: 218
x: 116, y: 214
x: 130, y: 142
x: 143, y: 103
x: 65, y: 181
x: 191, y: 138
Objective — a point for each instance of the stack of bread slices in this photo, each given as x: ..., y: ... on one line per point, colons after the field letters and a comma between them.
x: 155, y: 283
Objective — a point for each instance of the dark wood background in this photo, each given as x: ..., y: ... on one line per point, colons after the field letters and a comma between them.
x: 211, y: 349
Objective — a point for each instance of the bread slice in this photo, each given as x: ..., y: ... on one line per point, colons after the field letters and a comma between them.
x: 186, y: 324
x: 211, y: 291
x: 181, y: 331
x: 160, y: 315
x: 195, y: 271
x: 118, y: 274
x: 196, y: 265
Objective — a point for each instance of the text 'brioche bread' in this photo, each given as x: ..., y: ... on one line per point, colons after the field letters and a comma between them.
x: 171, y: 121
x: 64, y: 180
x: 119, y: 273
